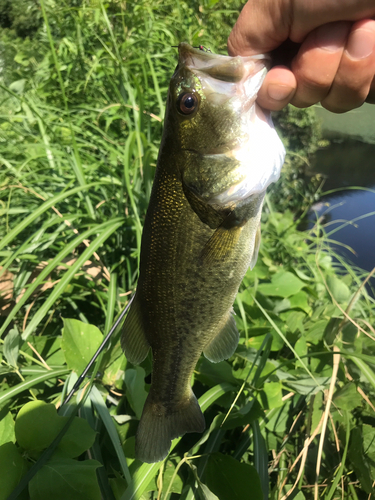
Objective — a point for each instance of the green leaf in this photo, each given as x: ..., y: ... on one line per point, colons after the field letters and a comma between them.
x: 79, y: 343
x: 37, y: 425
x: 338, y: 288
x: 271, y: 396
x: 368, y: 433
x: 307, y: 385
x: 359, y: 462
x: 283, y: 284
x: 12, y: 467
x: 66, y: 479
x: 204, y: 492
x: 246, y: 415
x: 6, y: 427
x: 12, y: 346
x: 135, y: 384
x: 232, y: 480
x: 347, y: 398
x: 31, y: 382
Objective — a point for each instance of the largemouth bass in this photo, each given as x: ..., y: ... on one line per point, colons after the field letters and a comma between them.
x: 218, y: 154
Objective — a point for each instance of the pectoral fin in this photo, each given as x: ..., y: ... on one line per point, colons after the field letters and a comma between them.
x: 133, y: 340
x: 257, y: 239
x: 223, y: 345
x: 221, y: 243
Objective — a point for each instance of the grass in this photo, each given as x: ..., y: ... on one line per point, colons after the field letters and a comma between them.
x: 81, y: 109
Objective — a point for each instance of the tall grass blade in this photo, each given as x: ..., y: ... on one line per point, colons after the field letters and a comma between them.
x: 60, y: 287
x: 31, y: 382
x: 103, y: 412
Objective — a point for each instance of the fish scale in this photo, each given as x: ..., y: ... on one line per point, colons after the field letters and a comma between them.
x: 200, y: 236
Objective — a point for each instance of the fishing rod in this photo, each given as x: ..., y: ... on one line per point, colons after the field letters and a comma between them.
x: 98, y: 352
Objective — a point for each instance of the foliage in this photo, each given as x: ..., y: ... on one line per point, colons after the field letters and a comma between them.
x: 301, y: 136
x: 81, y: 106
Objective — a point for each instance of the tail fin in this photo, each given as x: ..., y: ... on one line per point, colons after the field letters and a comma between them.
x: 159, y: 425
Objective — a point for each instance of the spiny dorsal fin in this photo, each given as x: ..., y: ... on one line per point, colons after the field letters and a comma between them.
x: 133, y: 339
x: 257, y: 239
x: 223, y: 345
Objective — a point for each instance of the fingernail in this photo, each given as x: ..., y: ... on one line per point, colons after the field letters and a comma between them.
x: 279, y: 92
x: 361, y: 44
x: 331, y: 37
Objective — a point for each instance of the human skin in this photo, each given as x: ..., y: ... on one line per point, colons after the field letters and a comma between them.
x: 335, y: 62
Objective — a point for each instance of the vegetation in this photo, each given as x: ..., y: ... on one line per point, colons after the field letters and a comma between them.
x: 290, y: 415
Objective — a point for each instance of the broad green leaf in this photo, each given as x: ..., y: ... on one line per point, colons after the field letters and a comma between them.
x: 204, y: 492
x: 338, y: 288
x: 135, y: 384
x: 48, y: 347
x: 301, y: 349
x: 307, y: 385
x: 79, y: 343
x: 169, y: 470
x: 271, y: 396
x: 283, y: 284
x: 240, y: 418
x: 214, y: 373
x: 11, y: 347
x: 347, y: 398
x: 359, y: 461
x: 368, y: 432
x: 12, y: 467
x: 114, y: 374
x: 300, y: 301
x: 230, y: 479
x: 6, y: 427
x: 37, y: 425
x: 66, y: 479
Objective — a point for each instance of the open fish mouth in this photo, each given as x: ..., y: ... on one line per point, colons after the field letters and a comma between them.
x: 226, y: 78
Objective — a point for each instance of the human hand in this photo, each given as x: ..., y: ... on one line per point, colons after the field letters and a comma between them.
x: 335, y: 63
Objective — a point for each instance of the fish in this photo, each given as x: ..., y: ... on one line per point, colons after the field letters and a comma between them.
x: 219, y: 152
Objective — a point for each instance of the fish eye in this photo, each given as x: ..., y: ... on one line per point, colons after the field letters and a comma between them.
x: 187, y: 103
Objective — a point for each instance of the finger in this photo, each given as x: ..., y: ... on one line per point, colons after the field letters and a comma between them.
x: 317, y: 62
x: 260, y: 28
x: 371, y: 95
x: 355, y: 74
x: 264, y: 25
x: 278, y: 88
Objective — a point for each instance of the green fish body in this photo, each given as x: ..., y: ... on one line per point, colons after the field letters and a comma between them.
x: 219, y: 152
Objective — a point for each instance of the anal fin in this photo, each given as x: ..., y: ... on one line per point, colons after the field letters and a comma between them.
x: 133, y: 339
x: 223, y: 345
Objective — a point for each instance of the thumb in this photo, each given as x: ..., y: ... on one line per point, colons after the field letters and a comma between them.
x: 261, y: 27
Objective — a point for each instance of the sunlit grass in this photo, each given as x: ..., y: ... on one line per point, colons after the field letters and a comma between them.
x: 80, y: 131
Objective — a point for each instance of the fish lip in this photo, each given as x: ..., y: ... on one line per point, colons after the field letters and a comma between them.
x: 221, y: 67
